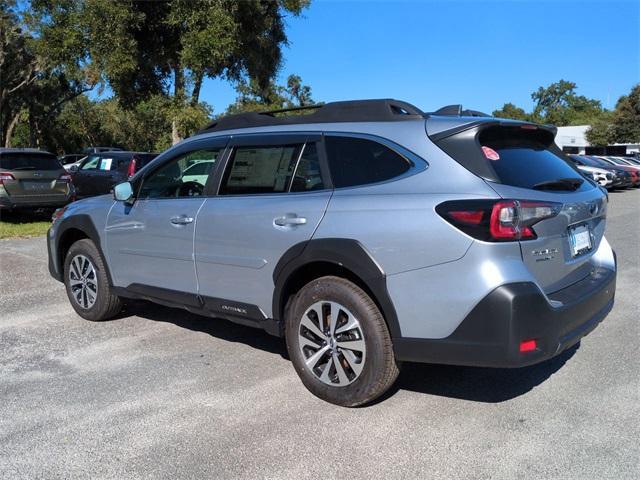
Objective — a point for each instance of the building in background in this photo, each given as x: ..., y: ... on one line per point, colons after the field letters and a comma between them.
x: 573, y: 140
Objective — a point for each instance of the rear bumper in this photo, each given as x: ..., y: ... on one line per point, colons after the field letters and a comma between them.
x: 490, y: 335
x: 33, y: 201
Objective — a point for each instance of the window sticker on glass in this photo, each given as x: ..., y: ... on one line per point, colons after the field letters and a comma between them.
x: 490, y: 153
x: 106, y: 164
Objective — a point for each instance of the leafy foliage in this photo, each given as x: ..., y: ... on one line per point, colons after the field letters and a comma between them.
x: 253, y: 98
x: 620, y: 126
x: 153, y: 56
x: 509, y: 110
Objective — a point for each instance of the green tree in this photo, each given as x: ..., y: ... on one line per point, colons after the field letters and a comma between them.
x: 626, y: 118
x: 34, y: 85
x: 253, y: 98
x: 142, y: 49
x: 509, y: 110
x: 601, y: 131
x: 622, y: 125
x: 559, y: 105
x: 19, y: 68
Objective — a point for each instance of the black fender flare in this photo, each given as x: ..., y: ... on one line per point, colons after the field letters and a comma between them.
x: 85, y: 224
x: 347, y: 253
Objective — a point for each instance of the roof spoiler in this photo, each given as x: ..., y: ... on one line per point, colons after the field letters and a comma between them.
x: 457, y: 111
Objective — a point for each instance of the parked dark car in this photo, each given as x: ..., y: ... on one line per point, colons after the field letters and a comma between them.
x: 71, y: 158
x: 99, y: 172
x: 31, y: 178
x: 89, y: 150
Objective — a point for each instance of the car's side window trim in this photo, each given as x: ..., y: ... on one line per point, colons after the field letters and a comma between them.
x: 295, y: 167
x: 417, y: 164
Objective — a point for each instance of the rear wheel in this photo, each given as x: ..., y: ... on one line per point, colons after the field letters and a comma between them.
x: 87, y: 284
x: 339, y: 342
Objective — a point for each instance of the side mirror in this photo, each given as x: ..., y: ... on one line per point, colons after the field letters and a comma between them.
x: 123, y: 192
x: 73, y: 168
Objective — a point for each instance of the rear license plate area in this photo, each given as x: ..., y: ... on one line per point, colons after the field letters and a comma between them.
x: 36, y: 186
x: 580, y: 240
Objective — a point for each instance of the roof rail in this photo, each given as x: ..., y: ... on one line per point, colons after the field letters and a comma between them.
x: 457, y: 111
x: 379, y: 110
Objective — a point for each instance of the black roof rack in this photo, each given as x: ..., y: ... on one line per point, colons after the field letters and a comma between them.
x: 379, y: 110
x: 383, y: 110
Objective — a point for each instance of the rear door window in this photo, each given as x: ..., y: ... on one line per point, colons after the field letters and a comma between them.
x: 358, y: 161
x: 260, y: 170
x: 308, y: 174
x: 29, y: 161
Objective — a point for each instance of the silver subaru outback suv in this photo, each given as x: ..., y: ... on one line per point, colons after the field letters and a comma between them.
x: 366, y: 233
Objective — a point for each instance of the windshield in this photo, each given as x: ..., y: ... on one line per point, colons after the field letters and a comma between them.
x: 29, y: 161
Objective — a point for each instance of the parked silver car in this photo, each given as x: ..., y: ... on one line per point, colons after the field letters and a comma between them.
x: 366, y: 233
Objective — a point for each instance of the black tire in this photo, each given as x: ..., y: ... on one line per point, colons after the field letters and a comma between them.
x: 107, y: 304
x: 380, y: 369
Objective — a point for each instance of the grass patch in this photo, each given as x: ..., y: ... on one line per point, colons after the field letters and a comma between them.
x: 24, y: 224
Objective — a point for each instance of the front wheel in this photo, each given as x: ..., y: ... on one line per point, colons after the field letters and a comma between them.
x: 339, y: 342
x: 87, y: 284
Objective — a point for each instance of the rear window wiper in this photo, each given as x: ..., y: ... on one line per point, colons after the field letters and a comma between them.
x: 560, y: 184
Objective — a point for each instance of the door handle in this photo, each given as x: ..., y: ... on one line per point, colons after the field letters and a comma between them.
x: 181, y: 220
x: 289, y: 221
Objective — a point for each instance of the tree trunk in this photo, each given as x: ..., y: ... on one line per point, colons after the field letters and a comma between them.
x: 175, y: 135
x: 178, y: 98
x: 12, y: 125
x: 195, y: 95
x: 178, y: 82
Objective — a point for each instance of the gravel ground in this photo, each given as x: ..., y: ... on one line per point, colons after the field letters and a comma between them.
x: 162, y: 393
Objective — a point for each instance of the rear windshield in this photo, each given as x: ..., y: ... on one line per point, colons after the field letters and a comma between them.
x: 29, y: 161
x: 525, y: 158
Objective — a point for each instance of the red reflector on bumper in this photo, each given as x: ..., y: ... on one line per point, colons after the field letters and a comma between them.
x: 527, y: 346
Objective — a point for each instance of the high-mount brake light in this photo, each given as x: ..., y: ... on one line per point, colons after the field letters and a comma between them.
x: 497, y: 221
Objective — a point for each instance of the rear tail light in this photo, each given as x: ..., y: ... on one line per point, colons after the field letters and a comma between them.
x: 528, y: 346
x: 132, y: 168
x: 65, y: 177
x: 4, y: 176
x: 497, y: 221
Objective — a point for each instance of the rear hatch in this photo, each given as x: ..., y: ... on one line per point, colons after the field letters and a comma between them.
x: 521, y: 162
x: 29, y: 174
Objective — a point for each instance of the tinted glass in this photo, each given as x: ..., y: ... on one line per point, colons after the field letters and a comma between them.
x: 91, y: 163
x: 200, y: 168
x: 29, y: 161
x: 308, y: 175
x: 524, y: 160
x: 253, y: 170
x: 356, y: 161
x: 168, y: 182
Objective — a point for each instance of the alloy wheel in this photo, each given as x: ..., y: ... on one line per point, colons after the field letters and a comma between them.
x: 332, y: 343
x: 83, y: 281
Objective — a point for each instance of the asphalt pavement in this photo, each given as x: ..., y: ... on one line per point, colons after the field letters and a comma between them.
x: 161, y: 393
